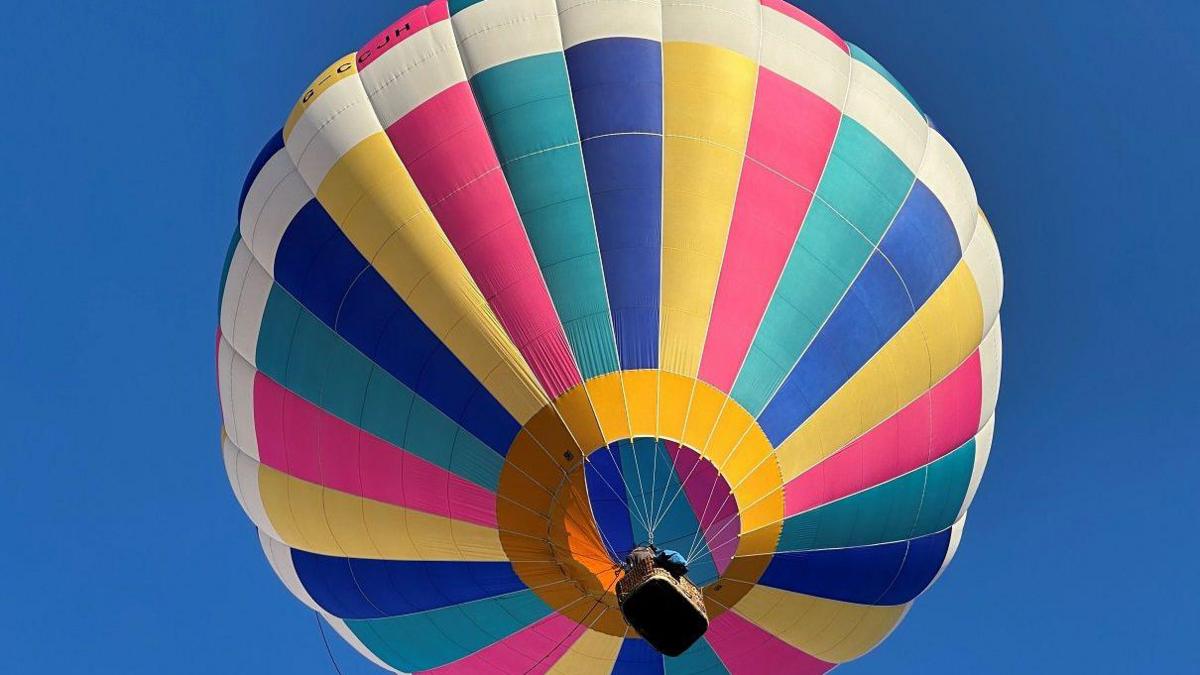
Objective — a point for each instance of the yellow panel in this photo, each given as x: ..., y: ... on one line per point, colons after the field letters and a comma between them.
x: 521, y: 520
x: 518, y: 488
x: 674, y: 398
x: 576, y: 410
x: 608, y: 401
x: 731, y: 428
x: 828, y: 629
x: 554, y: 436
x: 314, y: 518
x: 273, y: 490
x: 434, y: 537
x: 336, y: 72
x: 766, y: 512
x: 938, y: 338
x: 762, y: 481
x: 527, y: 456
x: 706, y: 406
x: 751, y: 453
x: 611, y: 621
x: 372, y: 198
x: 641, y: 399
x: 592, y: 654
x: 708, y: 97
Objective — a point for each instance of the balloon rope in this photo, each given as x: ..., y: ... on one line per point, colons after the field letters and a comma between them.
x: 328, y: 651
x: 572, y: 631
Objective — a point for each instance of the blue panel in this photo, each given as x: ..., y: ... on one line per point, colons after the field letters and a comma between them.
x: 625, y: 179
x: 922, y: 243
x: 315, y: 263
x: 637, y: 657
x: 355, y: 588
x: 606, y: 492
x: 616, y: 85
x: 884, y: 574
x: 273, y: 146
x: 323, y: 270
x: 642, y: 468
x: 874, y: 308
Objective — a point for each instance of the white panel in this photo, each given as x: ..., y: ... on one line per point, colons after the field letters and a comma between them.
x: 983, y: 259
x: 804, y: 56
x: 491, y: 33
x: 956, y: 532
x: 280, y: 557
x: 990, y: 357
x: 241, y: 394
x: 235, y: 378
x: 874, y: 103
x: 269, y: 177
x: 413, y: 72
x: 256, y: 288
x: 584, y: 20
x: 239, y: 265
x: 229, y: 454
x: 225, y: 380
x: 944, y: 173
x: 285, y: 201
x: 338, y: 119
x: 731, y: 24
x: 983, y: 449
x: 244, y: 475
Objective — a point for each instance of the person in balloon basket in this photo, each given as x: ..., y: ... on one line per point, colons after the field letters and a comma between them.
x: 663, y: 558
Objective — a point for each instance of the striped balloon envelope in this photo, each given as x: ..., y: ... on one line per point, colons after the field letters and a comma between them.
x: 522, y: 284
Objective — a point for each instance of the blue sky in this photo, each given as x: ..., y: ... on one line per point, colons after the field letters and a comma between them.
x: 128, y: 130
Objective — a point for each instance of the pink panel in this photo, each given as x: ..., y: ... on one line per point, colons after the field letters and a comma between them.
x: 791, y: 134
x: 400, y: 30
x: 445, y: 146
x: 711, y: 500
x: 745, y: 648
x: 787, y: 9
x: 531, y: 650
x: 930, y: 427
x: 304, y: 441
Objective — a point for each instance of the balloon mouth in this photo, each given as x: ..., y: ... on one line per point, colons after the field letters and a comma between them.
x: 655, y: 491
x: 638, y: 457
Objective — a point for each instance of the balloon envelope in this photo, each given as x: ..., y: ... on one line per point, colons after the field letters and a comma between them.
x: 523, y: 284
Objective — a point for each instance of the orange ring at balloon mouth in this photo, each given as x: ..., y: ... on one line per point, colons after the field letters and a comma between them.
x: 547, y: 526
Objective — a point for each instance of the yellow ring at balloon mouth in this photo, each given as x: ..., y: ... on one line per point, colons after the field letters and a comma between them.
x: 546, y: 524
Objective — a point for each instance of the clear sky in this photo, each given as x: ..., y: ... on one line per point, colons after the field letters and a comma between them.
x: 128, y: 128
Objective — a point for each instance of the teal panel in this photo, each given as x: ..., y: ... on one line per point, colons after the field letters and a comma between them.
x: 652, y: 484
x: 822, y: 265
x: 275, y: 333
x: 530, y: 118
x: 859, y: 55
x: 699, y: 659
x: 864, y: 180
x: 861, y: 190
x: 457, y: 6
x: 297, y: 350
x: 425, y: 640
x: 912, y: 505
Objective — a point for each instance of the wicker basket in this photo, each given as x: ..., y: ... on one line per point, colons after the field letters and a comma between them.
x: 667, y: 611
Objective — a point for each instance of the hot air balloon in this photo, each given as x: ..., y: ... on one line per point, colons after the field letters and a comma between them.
x: 524, y: 285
